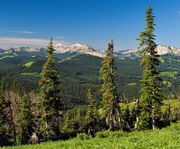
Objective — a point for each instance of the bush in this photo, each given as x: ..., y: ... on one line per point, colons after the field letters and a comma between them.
x: 103, y: 134
x: 111, y: 134
x: 118, y: 134
x: 83, y: 136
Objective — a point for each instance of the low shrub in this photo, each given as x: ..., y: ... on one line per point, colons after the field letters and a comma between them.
x: 103, y: 134
x: 83, y: 136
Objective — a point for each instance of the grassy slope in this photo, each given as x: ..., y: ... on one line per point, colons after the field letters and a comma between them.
x: 168, y: 137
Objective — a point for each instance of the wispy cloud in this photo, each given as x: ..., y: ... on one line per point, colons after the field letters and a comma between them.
x: 6, y: 42
x: 59, y: 37
x: 19, y: 32
x: 178, y: 12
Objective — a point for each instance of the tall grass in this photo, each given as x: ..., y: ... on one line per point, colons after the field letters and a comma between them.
x: 166, y: 138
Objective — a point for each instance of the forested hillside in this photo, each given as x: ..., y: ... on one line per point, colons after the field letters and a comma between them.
x: 82, y: 71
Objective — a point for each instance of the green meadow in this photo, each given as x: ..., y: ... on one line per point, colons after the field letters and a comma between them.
x: 166, y: 138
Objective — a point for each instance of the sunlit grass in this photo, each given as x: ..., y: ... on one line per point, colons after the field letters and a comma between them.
x: 28, y: 64
x: 35, y: 74
x: 168, y: 137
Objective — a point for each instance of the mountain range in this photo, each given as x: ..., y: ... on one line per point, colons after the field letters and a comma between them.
x: 79, y: 67
x: 63, y: 50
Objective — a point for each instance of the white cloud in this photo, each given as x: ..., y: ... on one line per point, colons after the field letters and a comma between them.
x: 19, y: 32
x: 6, y: 42
x: 60, y: 37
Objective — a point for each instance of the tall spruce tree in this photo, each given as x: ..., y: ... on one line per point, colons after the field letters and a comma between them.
x: 49, y: 96
x: 25, y: 120
x: 151, y: 97
x: 110, y: 102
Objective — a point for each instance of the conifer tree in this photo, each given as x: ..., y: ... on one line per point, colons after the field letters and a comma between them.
x: 77, y: 120
x: 25, y: 119
x: 67, y: 123
x: 3, y: 115
x: 92, y: 107
x: 11, y: 123
x: 151, y: 97
x: 110, y: 101
x: 49, y: 95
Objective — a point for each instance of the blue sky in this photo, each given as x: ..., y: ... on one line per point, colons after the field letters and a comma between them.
x: 92, y: 22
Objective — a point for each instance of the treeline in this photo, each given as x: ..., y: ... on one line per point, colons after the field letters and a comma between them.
x: 34, y: 117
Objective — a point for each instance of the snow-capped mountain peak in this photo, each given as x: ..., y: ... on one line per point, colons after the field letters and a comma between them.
x: 161, y: 49
x: 60, y: 48
x: 80, y: 48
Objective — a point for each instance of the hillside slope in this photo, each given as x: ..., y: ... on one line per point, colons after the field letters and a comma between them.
x: 81, y: 71
x: 168, y: 137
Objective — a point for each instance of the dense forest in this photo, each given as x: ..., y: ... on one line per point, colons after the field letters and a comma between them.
x: 83, y: 72
x: 46, y: 98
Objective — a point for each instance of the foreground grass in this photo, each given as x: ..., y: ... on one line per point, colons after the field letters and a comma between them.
x: 168, y: 137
